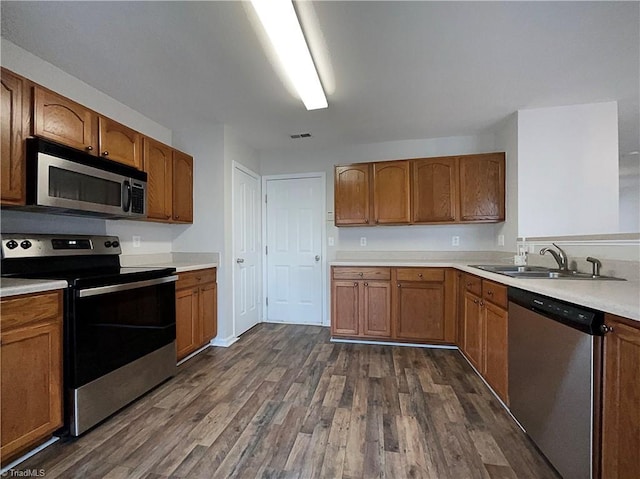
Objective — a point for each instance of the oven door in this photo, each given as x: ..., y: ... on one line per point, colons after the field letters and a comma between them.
x: 111, y: 326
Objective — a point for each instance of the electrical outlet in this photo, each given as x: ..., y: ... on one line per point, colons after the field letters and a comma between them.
x: 500, y: 240
x: 455, y: 241
x: 363, y: 241
x: 331, y: 241
x: 136, y: 241
x: 522, y: 250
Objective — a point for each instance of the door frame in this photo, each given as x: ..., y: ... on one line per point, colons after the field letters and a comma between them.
x: 323, y: 233
x: 253, y: 174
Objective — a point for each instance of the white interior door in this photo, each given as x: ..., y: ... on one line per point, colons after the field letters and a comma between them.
x: 246, y: 249
x: 294, y: 214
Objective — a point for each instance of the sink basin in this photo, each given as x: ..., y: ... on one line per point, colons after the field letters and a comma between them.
x: 540, y: 272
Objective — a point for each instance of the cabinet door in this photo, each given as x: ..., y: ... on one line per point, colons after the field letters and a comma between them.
x: 31, y: 377
x: 420, y: 311
x: 352, y: 194
x: 391, y: 192
x: 208, y: 312
x: 434, y: 188
x: 376, y: 309
x: 158, y: 163
x: 12, y: 135
x: 496, y: 349
x: 345, y: 308
x: 64, y: 121
x: 621, y: 400
x: 473, y: 340
x: 187, y: 322
x: 482, y: 187
x: 120, y: 143
x: 182, y: 187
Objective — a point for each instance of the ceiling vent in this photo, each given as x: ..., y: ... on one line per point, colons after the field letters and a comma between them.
x: 300, y: 135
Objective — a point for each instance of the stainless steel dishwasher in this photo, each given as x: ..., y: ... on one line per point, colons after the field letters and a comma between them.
x: 554, y: 363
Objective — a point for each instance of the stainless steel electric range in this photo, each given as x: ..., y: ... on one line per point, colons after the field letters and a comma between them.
x: 119, y: 323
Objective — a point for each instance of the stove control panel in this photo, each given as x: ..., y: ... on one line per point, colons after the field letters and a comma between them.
x: 37, y: 245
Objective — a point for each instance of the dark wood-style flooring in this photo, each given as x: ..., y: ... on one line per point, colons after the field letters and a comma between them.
x: 285, y: 402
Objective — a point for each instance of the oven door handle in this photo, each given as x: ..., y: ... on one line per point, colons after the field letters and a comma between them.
x: 115, y: 288
x: 132, y: 326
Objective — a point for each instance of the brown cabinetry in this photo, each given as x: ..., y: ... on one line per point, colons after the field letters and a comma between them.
x: 196, y: 310
x: 621, y: 399
x: 484, y: 338
x: 30, y: 368
x: 182, y: 187
x: 453, y: 189
x: 482, y: 187
x: 361, y: 302
x: 391, y: 197
x: 13, y: 113
x: 434, y: 190
x: 158, y: 163
x: 352, y: 194
x: 406, y: 304
x: 119, y: 143
x: 423, y: 305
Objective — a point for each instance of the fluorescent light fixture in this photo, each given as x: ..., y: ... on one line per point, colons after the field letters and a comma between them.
x: 283, y: 29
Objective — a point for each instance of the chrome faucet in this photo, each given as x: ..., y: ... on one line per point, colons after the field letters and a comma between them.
x: 560, y: 256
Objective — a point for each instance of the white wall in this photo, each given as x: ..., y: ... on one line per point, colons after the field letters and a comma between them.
x: 568, y: 170
x: 380, y: 238
x: 507, y: 141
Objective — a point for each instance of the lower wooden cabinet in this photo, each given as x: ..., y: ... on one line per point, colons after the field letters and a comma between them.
x: 621, y: 400
x: 404, y: 304
x: 30, y: 371
x: 196, y: 310
x: 484, y: 339
x: 361, y: 307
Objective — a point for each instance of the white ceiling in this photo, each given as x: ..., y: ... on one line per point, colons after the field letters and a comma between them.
x: 393, y: 70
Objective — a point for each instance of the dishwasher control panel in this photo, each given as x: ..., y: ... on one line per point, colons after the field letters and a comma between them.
x: 578, y: 317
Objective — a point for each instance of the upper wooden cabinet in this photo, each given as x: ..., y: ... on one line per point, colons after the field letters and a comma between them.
x: 482, y: 187
x: 352, y: 194
x: 454, y: 189
x: 434, y: 190
x: 391, y: 196
x: 119, y: 143
x: 182, y: 187
x: 12, y: 131
x: 60, y: 119
x: 158, y: 163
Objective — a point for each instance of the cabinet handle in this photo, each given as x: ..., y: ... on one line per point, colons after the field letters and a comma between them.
x: 490, y: 293
x: 419, y: 275
x: 481, y: 303
x: 89, y: 148
x: 367, y: 220
x: 475, y: 301
x: 399, y: 286
x: 355, y: 285
x: 366, y: 284
x: 105, y: 153
x: 605, y: 329
x: 361, y: 274
x: 469, y: 285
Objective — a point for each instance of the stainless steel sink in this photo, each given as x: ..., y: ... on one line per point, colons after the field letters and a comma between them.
x: 540, y: 272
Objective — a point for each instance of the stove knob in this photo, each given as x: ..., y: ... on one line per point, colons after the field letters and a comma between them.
x: 26, y: 244
x: 12, y: 244
x: 107, y: 244
x: 115, y: 244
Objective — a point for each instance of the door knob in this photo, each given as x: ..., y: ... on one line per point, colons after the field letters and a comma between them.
x: 240, y: 260
x: 317, y: 258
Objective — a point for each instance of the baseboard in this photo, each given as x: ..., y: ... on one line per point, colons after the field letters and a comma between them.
x: 298, y: 324
x: 195, y: 353
x: 6, y: 470
x: 223, y: 342
x: 389, y: 343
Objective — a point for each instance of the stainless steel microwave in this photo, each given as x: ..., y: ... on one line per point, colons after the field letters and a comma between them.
x: 68, y: 181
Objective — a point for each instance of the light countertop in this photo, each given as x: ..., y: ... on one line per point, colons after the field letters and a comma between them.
x: 16, y: 286
x: 621, y: 298
x: 182, y: 262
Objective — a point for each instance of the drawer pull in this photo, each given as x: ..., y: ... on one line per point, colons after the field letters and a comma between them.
x: 399, y: 285
x: 355, y: 285
x: 419, y: 275
x: 105, y: 153
x: 361, y: 274
x: 490, y: 293
x: 475, y: 301
x: 469, y: 285
x: 366, y: 284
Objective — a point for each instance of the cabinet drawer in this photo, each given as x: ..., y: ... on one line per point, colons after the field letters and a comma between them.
x: 473, y: 284
x: 195, y: 278
x: 494, y: 293
x: 20, y: 310
x: 420, y: 274
x: 361, y: 273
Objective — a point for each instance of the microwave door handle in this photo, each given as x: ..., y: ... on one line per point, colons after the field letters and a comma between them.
x: 127, y: 195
